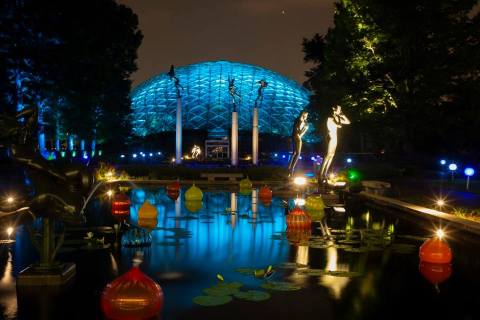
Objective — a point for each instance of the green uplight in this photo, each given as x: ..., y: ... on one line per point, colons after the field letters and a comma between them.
x: 353, y: 175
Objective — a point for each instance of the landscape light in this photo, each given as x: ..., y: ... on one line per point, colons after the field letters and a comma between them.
x: 300, y: 158
x: 468, y: 172
x: 440, y: 233
x: 150, y: 154
x: 299, y: 201
x: 349, y: 160
x: 122, y: 156
x: 10, y: 200
x: 143, y: 155
x: 312, y: 158
x: 275, y: 155
x: 9, y: 231
x: 452, y: 167
x: 159, y: 153
x: 443, y: 162
x: 440, y: 203
x: 339, y: 209
x: 110, y: 193
x: 62, y: 154
x: 134, y: 155
x: 300, y: 181
x: 283, y: 156
x: 173, y: 160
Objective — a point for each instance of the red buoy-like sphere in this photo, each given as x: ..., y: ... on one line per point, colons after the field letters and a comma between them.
x: 265, y: 193
x: 173, y: 194
x: 435, y: 250
x: 298, y: 219
x: 132, y: 296
x: 121, y: 205
x: 173, y: 187
x: 435, y: 273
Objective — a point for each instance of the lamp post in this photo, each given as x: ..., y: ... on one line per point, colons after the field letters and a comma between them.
x: 468, y: 172
x: 452, y: 167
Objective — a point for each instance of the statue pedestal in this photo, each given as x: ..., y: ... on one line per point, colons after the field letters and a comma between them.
x: 33, y: 276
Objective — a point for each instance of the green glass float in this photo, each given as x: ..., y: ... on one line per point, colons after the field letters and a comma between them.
x: 245, y: 184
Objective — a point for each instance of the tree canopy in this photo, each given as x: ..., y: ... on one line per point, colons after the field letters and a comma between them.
x: 407, y: 73
x: 72, y: 60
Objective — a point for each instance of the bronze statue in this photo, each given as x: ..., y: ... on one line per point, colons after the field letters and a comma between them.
x: 232, y: 90
x: 300, y: 127
x: 263, y: 84
x: 333, y: 123
x: 176, y: 81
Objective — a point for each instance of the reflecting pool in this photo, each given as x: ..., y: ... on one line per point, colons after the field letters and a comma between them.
x: 360, y: 264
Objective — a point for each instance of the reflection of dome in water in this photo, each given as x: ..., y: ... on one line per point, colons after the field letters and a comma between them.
x: 207, y: 104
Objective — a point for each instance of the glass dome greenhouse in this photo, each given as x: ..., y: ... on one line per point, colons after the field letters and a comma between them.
x: 206, y: 102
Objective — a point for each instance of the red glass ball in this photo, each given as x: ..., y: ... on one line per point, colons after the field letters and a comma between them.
x: 435, y: 273
x: 120, y: 205
x: 173, y: 187
x: 265, y: 193
x: 435, y: 250
x: 298, y: 236
x: 298, y: 219
x: 132, y: 296
x: 173, y: 194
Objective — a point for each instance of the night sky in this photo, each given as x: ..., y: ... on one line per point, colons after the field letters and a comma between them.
x: 267, y: 33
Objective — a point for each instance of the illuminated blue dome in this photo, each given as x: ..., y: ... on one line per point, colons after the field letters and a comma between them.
x: 207, y: 104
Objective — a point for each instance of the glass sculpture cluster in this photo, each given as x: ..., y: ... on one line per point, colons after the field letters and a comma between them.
x: 207, y: 104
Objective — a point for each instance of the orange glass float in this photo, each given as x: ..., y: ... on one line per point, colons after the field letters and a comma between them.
x: 435, y: 250
x: 265, y: 193
x: 120, y: 205
x: 298, y: 236
x: 435, y: 273
x: 132, y: 296
x: 298, y: 219
x: 147, y: 216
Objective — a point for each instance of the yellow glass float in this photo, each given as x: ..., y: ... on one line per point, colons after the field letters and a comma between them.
x: 245, y: 184
x: 193, y: 205
x: 147, y: 216
x: 315, y: 207
x: 194, y: 194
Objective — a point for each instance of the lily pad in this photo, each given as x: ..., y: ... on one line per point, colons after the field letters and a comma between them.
x: 252, y: 295
x: 212, y: 301
x: 280, y: 286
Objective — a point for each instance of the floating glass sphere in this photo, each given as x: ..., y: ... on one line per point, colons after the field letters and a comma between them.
x: 435, y: 250
x: 298, y: 219
x: 314, y: 203
x: 121, y: 206
x: 173, y: 187
x: 245, y: 184
x: 132, y: 296
x: 193, y: 205
x: 194, y: 194
x: 298, y: 236
x: 173, y: 194
x: 435, y: 273
x: 147, y: 216
x: 265, y: 193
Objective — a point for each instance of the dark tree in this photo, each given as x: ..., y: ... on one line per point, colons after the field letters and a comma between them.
x: 73, y: 60
x: 407, y: 72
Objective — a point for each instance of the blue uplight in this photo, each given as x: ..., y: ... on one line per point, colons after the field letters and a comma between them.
x: 134, y: 155
x: 312, y: 158
x: 275, y: 155
x: 349, y: 160
x: 159, y: 153
x: 443, y: 162
x: 150, y: 154
x: 452, y: 167
x: 283, y: 156
x: 469, y: 172
x: 300, y: 158
x: 143, y: 155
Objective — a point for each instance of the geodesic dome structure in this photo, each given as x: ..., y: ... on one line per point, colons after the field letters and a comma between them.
x: 207, y: 105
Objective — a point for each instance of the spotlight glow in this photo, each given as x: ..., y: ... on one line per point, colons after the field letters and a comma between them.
x: 299, y: 201
x: 134, y: 155
x: 469, y: 172
x: 440, y: 203
x: 349, y: 160
x: 110, y: 193
x: 10, y: 200
x: 9, y: 231
x: 440, y: 233
x: 452, y: 167
x: 443, y: 162
x: 300, y: 181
